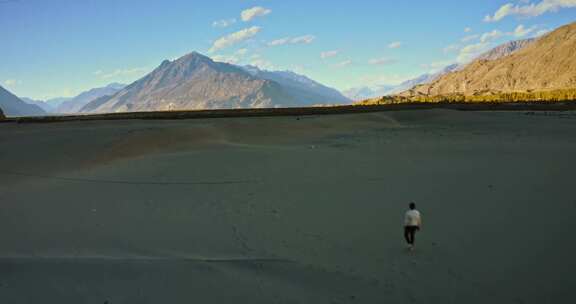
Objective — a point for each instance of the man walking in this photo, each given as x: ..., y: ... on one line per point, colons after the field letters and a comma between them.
x: 412, y: 223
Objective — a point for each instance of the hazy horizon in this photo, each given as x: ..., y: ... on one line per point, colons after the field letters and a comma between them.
x: 62, y: 48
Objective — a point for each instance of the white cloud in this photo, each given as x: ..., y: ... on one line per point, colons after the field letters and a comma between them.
x: 306, y: 39
x: 382, y: 61
x: 502, y: 12
x: 241, y: 52
x: 472, y: 51
x: 224, y: 22
x: 11, y: 82
x: 489, y: 36
x: 521, y: 31
x: 395, y: 45
x: 436, y: 66
x: 278, y: 42
x: 67, y: 92
x: 300, y: 69
x: 529, y: 9
x: 451, y: 48
x: 261, y: 63
x: 122, y: 73
x: 254, y: 12
x: 226, y: 59
x: 467, y: 30
x: 469, y: 38
x: 542, y: 32
x: 486, y: 40
x: 234, y: 38
x: 344, y: 63
x: 235, y: 58
x: 329, y: 54
x: 473, y: 48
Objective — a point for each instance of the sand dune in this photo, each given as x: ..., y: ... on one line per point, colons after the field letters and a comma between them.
x: 289, y: 209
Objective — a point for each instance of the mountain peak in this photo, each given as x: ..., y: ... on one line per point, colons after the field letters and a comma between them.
x: 194, y: 81
x: 188, y: 63
x: 195, y: 56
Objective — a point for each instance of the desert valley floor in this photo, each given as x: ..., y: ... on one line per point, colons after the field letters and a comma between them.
x: 290, y: 209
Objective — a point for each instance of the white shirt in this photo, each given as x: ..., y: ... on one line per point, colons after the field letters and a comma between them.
x: 412, y: 218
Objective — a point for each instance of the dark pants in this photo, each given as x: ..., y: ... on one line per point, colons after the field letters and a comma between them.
x: 409, y: 233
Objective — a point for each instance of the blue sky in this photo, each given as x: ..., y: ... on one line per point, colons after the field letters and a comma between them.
x: 53, y: 48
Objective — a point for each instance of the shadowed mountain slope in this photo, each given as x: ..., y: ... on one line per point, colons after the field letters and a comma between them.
x: 13, y: 106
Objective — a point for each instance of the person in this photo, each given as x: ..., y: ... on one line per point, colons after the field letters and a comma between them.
x: 412, y: 223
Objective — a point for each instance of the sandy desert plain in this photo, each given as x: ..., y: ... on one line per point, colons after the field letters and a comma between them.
x: 290, y: 209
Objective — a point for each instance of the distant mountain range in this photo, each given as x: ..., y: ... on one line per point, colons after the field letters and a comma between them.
x: 500, y: 51
x: 548, y: 63
x: 75, y: 104
x: 70, y: 105
x: 361, y: 93
x: 13, y: 106
x: 48, y: 108
x: 56, y: 102
x: 195, y: 82
x: 304, y: 89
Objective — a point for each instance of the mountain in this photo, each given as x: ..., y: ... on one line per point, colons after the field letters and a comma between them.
x: 301, y: 87
x: 74, y: 105
x: 196, y: 82
x: 13, y: 106
x: 42, y: 104
x: 548, y: 63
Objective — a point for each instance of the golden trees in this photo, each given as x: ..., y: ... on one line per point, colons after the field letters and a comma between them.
x: 551, y: 96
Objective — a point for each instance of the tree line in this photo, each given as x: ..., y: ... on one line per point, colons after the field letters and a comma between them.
x: 560, y: 95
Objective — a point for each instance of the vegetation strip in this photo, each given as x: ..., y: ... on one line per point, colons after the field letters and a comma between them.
x: 550, y: 97
x: 360, y: 108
